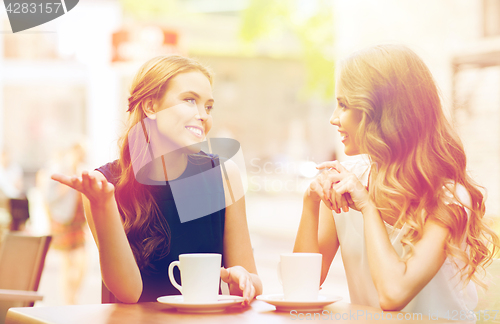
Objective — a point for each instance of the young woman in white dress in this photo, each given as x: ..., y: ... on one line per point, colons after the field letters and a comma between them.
x: 406, y: 215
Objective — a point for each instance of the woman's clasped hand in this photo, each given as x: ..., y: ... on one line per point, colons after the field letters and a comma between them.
x: 338, y: 188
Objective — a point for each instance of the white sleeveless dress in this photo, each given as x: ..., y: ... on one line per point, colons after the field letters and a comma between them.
x: 443, y: 296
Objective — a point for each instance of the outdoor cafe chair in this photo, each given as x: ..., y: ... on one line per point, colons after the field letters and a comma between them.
x: 22, y: 258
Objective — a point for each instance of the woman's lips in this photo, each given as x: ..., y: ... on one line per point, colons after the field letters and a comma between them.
x: 195, y: 131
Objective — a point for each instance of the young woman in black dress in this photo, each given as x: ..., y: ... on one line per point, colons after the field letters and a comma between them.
x: 130, y: 205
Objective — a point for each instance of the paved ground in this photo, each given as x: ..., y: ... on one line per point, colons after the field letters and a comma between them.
x: 273, y: 222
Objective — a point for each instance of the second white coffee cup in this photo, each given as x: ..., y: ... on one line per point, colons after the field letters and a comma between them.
x: 300, y: 275
x: 200, y: 276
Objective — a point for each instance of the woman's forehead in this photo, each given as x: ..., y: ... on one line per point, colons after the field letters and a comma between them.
x: 190, y: 81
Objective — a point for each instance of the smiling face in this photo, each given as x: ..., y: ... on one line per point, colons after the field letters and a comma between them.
x: 183, y: 114
x: 347, y: 120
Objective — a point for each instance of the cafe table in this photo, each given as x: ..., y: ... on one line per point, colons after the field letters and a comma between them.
x: 258, y: 312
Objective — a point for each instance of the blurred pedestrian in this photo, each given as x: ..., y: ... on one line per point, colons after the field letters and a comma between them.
x: 13, y: 202
x: 11, y: 176
x: 67, y: 220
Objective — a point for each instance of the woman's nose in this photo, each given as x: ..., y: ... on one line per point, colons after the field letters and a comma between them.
x: 334, y: 120
x: 202, y: 114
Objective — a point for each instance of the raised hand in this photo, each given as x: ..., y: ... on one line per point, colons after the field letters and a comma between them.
x: 321, y: 189
x: 238, y: 276
x: 345, y: 187
x: 97, y: 191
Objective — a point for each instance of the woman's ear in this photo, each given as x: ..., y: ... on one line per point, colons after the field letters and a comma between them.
x: 148, y: 107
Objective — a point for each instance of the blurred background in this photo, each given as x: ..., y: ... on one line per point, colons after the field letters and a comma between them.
x: 64, y: 88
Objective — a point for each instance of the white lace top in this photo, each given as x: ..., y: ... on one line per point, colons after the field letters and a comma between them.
x: 443, y: 296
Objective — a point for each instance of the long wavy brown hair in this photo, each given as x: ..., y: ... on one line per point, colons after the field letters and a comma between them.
x: 147, y: 230
x: 417, y: 157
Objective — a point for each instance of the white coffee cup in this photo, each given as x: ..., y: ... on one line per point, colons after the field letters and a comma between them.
x: 300, y: 275
x: 200, y: 276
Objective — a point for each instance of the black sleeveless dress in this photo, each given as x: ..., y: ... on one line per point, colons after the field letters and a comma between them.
x: 201, y: 235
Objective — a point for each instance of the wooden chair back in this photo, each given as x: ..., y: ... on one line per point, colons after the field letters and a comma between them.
x: 22, y: 258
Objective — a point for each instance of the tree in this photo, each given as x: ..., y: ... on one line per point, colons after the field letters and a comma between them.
x: 311, y: 21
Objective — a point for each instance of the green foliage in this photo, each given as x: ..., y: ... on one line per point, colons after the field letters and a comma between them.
x: 262, y: 17
x: 145, y: 9
x: 309, y: 21
x: 313, y: 28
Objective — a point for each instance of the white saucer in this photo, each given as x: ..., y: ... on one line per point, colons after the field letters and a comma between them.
x: 223, y: 302
x: 283, y: 305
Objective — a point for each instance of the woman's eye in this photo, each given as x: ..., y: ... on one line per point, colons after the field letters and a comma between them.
x: 342, y: 106
x: 191, y: 101
x: 209, y: 108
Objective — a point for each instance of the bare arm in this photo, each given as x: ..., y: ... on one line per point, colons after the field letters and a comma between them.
x: 397, y: 282
x: 119, y: 270
x: 238, y: 255
x: 317, y: 234
x: 328, y: 239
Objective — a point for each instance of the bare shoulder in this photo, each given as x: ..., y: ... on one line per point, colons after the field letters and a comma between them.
x: 435, y: 233
x: 234, y: 188
x: 231, y: 168
x: 432, y: 225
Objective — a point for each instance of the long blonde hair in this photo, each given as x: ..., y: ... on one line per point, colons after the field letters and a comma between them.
x: 147, y: 230
x: 415, y: 152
